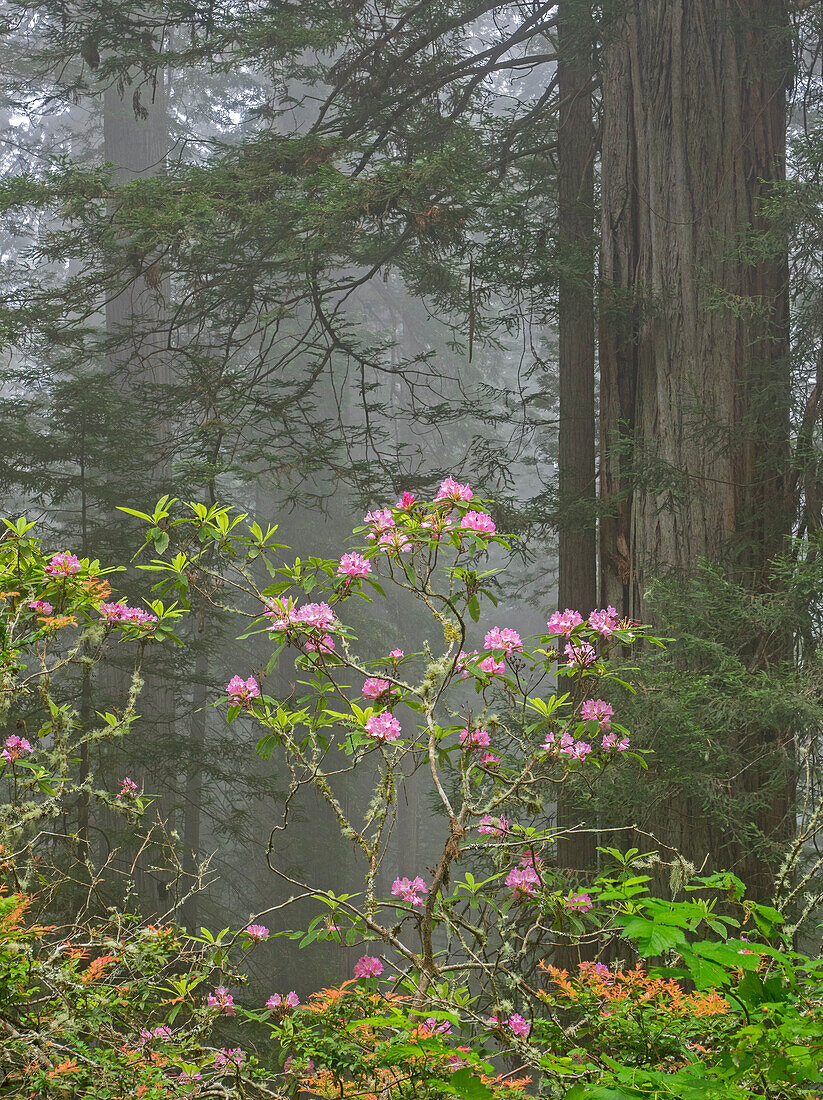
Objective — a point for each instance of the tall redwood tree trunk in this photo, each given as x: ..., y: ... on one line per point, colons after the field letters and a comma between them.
x: 694, y: 307
x: 577, y: 574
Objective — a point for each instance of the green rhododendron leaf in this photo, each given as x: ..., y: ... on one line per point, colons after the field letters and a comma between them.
x: 468, y: 1086
x: 653, y: 938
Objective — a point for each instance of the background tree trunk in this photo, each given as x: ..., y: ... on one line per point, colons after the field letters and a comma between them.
x: 694, y: 313
x: 577, y: 565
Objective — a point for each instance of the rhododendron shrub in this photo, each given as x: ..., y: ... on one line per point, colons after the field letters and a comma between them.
x: 496, y: 718
x: 95, y: 1002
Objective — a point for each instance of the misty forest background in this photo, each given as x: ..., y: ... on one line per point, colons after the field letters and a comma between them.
x: 300, y: 257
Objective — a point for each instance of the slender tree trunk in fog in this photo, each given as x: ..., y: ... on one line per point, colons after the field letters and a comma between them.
x: 136, y: 141
x: 577, y: 577
x: 693, y: 323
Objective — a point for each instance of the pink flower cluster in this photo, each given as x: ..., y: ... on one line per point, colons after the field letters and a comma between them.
x: 506, y: 639
x: 524, y: 882
x: 395, y: 541
x: 604, y: 621
x: 241, y: 692
x: 257, y: 932
x: 581, y: 902
x: 564, y: 622
x: 120, y: 613
x: 516, y: 1023
x: 383, y: 727
x: 163, y: 1033
x: 232, y: 1058
x: 374, y: 687
x: 472, y: 740
x: 396, y: 655
x: 431, y: 1027
x: 406, y: 501
x: 577, y: 750
x: 353, y: 566
x: 312, y: 618
x: 581, y: 654
x: 494, y: 826
x: 479, y: 522
x: 410, y: 890
x: 291, y: 1000
x: 453, y: 491
x: 15, y: 747
x: 42, y: 606
x: 612, y: 741
x: 368, y: 967
x: 379, y: 522
x: 63, y: 565
x: 597, y: 710
x: 128, y: 789
x: 519, y: 1025
x: 223, y: 1000
x: 488, y: 665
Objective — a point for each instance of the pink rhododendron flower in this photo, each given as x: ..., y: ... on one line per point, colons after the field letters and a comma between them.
x: 379, y: 522
x: 128, y: 789
x: 291, y: 1000
x: 494, y: 826
x: 353, y: 566
x: 395, y: 541
x: 599, y: 710
x: 374, y: 687
x: 320, y: 645
x: 530, y: 859
x: 410, y: 889
x: 492, y: 667
x: 15, y: 747
x: 431, y: 1027
x: 612, y: 741
x: 462, y: 662
x: 489, y: 759
x: 318, y: 615
x: 368, y: 967
x: 453, y: 490
x: 564, y: 622
x: 257, y: 932
x: 506, y: 639
x: 581, y: 902
x: 63, y: 565
x: 383, y: 727
x: 604, y: 621
x: 578, y: 750
x: 222, y: 999
x: 479, y: 522
x: 241, y: 692
x: 580, y: 654
x: 233, y: 1058
x: 396, y: 655
x: 189, y: 1077
x: 137, y: 616
x: 472, y: 740
x: 282, y: 615
x: 121, y: 613
x: 492, y: 1022
x: 406, y: 501
x: 43, y: 606
x: 523, y: 881
x: 519, y: 1026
